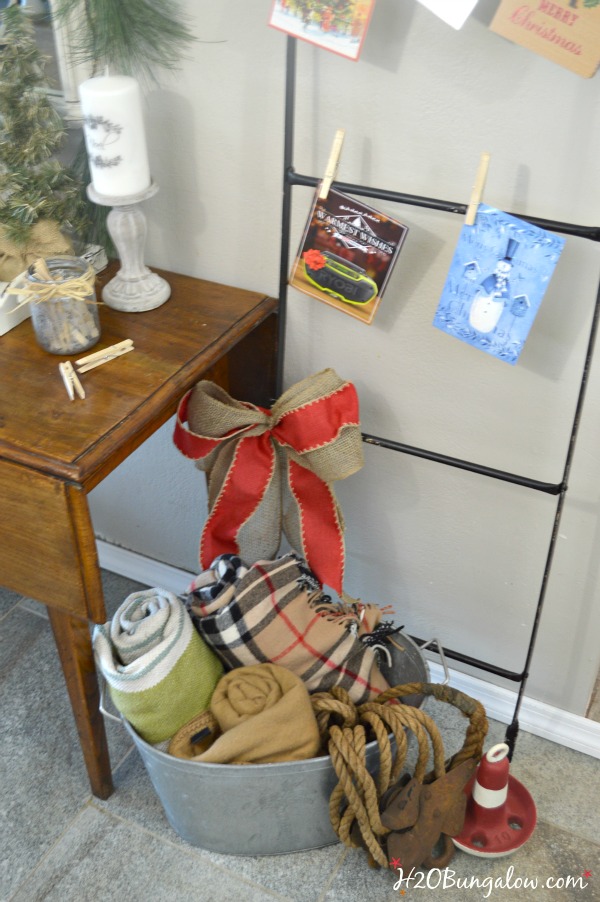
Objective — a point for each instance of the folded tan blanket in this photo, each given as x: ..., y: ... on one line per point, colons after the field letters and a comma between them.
x: 264, y: 714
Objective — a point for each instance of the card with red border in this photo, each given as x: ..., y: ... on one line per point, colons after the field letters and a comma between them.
x: 337, y: 25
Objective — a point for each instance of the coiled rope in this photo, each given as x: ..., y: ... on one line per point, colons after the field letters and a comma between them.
x: 355, y: 801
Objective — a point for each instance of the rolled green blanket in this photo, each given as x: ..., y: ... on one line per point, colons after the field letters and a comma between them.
x: 159, y: 670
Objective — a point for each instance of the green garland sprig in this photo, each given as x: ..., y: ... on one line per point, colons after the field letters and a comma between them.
x: 131, y: 37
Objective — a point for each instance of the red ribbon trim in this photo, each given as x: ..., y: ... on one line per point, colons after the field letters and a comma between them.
x: 197, y: 446
x: 244, y: 488
x: 320, y: 528
x: 319, y: 422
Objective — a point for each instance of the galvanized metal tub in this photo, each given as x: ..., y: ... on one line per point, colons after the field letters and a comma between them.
x: 261, y: 809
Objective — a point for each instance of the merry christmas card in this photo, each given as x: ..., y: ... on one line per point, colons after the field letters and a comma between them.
x: 564, y: 31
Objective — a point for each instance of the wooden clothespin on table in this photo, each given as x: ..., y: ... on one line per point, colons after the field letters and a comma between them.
x: 99, y: 357
x: 332, y: 163
x: 477, y: 192
x: 69, y: 377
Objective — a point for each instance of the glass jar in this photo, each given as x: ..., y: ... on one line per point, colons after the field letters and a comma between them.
x: 64, y: 312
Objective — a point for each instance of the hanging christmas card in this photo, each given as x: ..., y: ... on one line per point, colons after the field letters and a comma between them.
x: 497, y: 279
x: 347, y: 254
x: 564, y: 31
x: 455, y: 13
x: 337, y: 25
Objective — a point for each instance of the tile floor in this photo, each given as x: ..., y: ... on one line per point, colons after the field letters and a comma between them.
x: 59, y: 843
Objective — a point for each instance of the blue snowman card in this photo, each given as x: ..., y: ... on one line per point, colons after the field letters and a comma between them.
x: 497, y: 279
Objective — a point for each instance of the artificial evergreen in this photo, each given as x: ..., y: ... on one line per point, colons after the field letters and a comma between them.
x: 34, y: 185
x: 129, y: 37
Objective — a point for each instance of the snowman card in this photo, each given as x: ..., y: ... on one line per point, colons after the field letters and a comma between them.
x: 497, y: 279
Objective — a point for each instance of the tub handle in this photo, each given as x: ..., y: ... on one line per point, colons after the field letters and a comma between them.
x: 102, y: 706
x: 440, y: 652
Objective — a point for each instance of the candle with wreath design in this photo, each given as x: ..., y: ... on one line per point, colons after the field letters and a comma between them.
x: 115, y: 138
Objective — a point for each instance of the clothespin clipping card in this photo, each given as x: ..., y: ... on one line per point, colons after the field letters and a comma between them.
x: 332, y: 163
x: 477, y: 192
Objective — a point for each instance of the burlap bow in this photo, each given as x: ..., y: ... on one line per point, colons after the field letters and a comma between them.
x: 45, y: 240
x: 271, y: 471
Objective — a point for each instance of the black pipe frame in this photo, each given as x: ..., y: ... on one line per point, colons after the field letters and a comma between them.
x: 292, y: 179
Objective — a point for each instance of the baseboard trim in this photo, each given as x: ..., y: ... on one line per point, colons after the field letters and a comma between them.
x: 142, y: 569
x: 539, y: 718
x: 562, y: 727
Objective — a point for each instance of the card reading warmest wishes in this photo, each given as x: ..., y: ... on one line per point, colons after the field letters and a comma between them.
x: 347, y: 254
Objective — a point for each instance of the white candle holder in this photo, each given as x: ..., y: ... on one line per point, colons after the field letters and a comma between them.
x: 134, y: 288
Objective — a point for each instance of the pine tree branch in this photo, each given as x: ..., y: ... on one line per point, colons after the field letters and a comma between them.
x: 131, y: 37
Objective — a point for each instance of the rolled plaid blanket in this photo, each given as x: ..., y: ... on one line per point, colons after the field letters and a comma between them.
x: 276, y: 612
x: 159, y: 671
x: 265, y: 716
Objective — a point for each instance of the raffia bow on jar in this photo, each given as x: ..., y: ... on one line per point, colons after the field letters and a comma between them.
x: 64, y: 311
x: 271, y: 471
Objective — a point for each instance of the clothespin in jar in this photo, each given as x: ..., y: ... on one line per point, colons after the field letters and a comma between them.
x: 332, y: 163
x: 71, y: 380
x: 477, y: 192
x: 40, y: 268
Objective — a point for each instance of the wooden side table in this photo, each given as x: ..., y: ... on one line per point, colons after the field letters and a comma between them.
x: 53, y: 451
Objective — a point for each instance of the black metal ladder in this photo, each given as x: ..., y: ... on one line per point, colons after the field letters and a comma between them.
x: 292, y: 179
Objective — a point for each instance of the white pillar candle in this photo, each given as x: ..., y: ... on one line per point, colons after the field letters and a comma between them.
x: 113, y: 126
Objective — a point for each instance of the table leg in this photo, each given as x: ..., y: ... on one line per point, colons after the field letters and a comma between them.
x: 73, y: 641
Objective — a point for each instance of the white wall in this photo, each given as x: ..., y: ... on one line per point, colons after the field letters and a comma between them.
x: 459, y: 556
